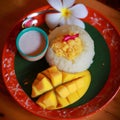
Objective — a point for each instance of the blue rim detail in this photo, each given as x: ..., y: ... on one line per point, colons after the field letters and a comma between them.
x: 32, y: 29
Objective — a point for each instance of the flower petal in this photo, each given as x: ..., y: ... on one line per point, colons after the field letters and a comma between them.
x: 52, y: 20
x: 75, y: 21
x: 79, y: 11
x: 68, y: 3
x: 62, y: 21
x: 56, y: 4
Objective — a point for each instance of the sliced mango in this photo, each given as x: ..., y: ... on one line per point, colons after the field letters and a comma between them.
x: 40, y: 85
x: 62, y: 101
x: 57, y: 89
x: 71, y: 86
x: 70, y: 76
x: 73, y: 97
x: 48, y: 100
x: 62, y: 91
x: 83, y: 89
x: 54, y: 75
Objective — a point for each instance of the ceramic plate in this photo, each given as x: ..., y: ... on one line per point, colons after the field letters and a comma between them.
x: 19, y: 74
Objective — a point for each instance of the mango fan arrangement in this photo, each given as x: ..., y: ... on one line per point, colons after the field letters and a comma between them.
x: 57, y: 89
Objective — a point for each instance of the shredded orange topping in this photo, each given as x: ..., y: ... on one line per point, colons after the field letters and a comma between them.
x: 69, y: 49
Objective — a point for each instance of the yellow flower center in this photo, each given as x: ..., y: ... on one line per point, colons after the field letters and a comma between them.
x: 65, y: 12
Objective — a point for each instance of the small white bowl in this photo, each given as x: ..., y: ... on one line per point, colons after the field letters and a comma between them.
x: 32, y: 43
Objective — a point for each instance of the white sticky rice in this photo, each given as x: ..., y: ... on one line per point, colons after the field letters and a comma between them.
x: 81, y: 62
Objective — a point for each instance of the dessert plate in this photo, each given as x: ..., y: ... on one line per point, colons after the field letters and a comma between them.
x: 18, y: 74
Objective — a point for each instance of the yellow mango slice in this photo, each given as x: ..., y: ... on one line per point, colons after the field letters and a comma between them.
x: 73, y: 97
x: 70, y: 76
x: 80, y: 82
x: 40, y: 85
x: 48, y: 100
x: 40, y: 103
x: 71, y: 86
x: 84, y: 88
x: 62, y: 91
x: 54, y: 75
x: 57, y: 89
x: 62, y: 101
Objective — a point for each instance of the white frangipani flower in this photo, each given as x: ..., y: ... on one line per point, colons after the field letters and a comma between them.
x: 67, y: 13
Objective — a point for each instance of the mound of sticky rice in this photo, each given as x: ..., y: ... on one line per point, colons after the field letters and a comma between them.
x: 84, y: 49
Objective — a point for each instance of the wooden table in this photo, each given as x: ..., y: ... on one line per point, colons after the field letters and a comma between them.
x: 10, y: 12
